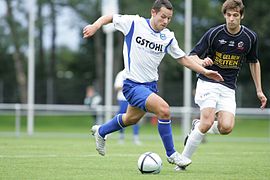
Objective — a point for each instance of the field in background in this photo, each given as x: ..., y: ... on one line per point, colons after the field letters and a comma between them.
x: 244, y: 127
x: 62, y: 149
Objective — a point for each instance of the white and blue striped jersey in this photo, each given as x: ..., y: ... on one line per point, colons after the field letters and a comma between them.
x: 144, y: 48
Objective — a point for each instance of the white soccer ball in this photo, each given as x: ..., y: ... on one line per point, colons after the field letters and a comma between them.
x: 149, y: 163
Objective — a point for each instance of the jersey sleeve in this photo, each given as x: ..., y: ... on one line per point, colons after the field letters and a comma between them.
x: 174, y: 49
x: 252, y: 56
x: 202, y: 47
x: 123, y: 22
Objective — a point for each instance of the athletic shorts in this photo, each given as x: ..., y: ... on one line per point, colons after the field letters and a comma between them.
x: 137, y: 93
x: 215, y: 95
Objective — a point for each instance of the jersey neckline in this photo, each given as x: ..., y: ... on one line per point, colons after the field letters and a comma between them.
x: 148, y: 22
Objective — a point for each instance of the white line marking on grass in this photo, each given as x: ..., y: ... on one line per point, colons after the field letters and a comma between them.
x: 239, y: 153
x: 62, y: 156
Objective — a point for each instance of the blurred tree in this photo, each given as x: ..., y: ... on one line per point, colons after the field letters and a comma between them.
x: 257, y: 17
x: 93, y: 49
x: 17, y: 55
x: 40, y: 83
x: 7, y: 79
x: 72, y: 70
x: 52, y: 59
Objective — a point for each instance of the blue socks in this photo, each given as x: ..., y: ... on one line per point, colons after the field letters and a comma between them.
x: 165, y: 132
x: 164, y: 129
x: 136, y: 128
x: 113, y: 125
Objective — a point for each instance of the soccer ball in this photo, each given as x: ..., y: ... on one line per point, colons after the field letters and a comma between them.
x: 149, y: 163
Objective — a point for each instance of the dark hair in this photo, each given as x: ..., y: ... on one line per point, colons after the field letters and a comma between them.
x: 162, y: 3
x: 233, y: 4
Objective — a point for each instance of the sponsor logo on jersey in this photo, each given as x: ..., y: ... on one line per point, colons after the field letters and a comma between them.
x: 148, y: 44
x: 230, y: 61
x: 222, y: 41
x: 231, y: 43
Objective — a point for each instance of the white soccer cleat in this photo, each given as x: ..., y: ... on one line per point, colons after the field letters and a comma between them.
x: 100, y: 141
x: 179, y: 160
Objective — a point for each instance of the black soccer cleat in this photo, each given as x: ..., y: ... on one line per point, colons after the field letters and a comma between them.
x: 194, y: 122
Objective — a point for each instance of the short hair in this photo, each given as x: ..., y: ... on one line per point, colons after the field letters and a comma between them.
x: 233, y: 4
x: 158, y: 4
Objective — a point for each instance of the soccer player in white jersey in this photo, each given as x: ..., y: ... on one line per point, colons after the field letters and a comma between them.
x: 229, y: 46
x: 146, y: 43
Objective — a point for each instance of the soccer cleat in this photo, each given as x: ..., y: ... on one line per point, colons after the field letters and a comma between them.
x: 179, y: 160
x: 178, y: 168
x: 100, y: 141
x: 193, y: 124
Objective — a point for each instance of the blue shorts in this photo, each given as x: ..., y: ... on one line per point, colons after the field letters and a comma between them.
x: 137, y: 93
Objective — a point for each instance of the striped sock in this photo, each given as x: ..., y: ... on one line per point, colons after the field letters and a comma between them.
x: 113, y: 125
x: 165, y: 132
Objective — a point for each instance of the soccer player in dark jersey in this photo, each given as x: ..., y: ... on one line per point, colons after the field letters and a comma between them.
x: 229, y: 46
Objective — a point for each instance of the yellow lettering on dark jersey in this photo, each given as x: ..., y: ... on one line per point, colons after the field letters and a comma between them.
x: 227, y: 61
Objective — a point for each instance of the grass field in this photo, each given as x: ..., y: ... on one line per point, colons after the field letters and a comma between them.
x: 62, y: 149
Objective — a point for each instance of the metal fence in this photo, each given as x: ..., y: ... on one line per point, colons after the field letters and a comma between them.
x: 53, y: 110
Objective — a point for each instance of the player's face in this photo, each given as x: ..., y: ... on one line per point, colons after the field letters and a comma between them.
x: 233, y: 20
x: 161, y: 19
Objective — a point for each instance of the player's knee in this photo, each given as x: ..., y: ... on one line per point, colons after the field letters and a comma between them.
x: 224, y: 130
x: 205, y: 126
x: 164, y: 112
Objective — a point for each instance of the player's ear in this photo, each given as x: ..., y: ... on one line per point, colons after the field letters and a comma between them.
x: 153, y: 12
x: 242, y: 17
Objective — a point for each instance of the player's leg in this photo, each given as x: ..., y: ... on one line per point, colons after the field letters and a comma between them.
x: 226, y: 122
x: 132, y: 116
x: 226, y: 108
x: 122, y: 109
x: 119, y: 121
x: 197, y: 134
x: 160, y: 107
x: 207, y: 96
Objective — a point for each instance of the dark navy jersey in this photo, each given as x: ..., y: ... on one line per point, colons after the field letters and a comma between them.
x: 228, y: 52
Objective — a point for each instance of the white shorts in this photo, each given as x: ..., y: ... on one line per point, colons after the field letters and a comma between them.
x: 215, y: 95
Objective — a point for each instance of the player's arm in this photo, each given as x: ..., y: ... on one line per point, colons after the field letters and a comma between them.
x: 91, y: 29
x: 189, y: 62
x: 201, y: 48
x: 205, y: 62
x: 255, y: 70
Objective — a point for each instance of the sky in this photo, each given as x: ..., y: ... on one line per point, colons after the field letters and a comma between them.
x: 68, y: 33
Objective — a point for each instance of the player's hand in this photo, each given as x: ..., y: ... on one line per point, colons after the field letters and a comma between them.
x: 89, y: 30
x: 213, y: 75
x: 207, y: 62
x: 262, y: 98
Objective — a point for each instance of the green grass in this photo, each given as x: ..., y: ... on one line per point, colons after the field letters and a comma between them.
x: 56, y: 152
x: 76, y: 158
